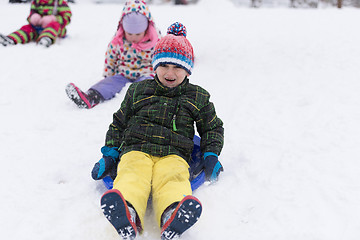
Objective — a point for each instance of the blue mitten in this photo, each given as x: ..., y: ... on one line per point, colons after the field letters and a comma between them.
x: 212, y: 166
x: 106, y: 163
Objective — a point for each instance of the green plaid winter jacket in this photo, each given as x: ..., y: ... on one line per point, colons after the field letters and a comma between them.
x: 160, y: 121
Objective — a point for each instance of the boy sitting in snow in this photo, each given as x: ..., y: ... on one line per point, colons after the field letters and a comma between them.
x: 47, y: 21
x: 153, y: 130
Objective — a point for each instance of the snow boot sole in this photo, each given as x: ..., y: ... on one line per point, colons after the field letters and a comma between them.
x: 5, y: 40
x: 45, y: 42
x: 77, y: 96
x: 117, y: 212
x: 185, y: 215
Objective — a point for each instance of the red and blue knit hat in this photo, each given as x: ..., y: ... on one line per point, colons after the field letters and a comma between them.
x: 174, y: 48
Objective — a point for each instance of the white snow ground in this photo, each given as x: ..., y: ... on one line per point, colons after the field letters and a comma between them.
x: 284, y: 81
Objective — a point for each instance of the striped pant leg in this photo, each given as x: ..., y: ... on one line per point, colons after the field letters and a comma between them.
x: 24, y: 35
x: 51, y: 30
x: 62, y: 32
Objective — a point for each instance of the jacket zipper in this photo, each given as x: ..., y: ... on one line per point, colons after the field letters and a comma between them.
x: 174, y: 116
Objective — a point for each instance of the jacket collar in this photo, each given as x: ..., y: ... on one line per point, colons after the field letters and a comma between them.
x: 170, y: 92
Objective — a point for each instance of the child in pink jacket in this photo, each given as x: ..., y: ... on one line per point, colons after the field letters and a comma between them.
x: 127, y: 59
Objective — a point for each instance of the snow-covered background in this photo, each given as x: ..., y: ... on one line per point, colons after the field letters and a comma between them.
x: 286, y: 83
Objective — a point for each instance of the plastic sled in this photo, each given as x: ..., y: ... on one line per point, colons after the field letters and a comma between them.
x: 196, y: 160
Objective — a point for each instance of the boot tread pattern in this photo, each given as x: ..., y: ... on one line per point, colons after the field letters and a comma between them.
x: 116, y: 211
x: 185, y: 216
x: 77, y: 96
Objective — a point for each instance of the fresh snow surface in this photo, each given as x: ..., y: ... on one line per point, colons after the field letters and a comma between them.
x: 286, y: 83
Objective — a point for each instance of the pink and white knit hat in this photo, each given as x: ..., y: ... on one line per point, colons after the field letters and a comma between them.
x: 174, y: 48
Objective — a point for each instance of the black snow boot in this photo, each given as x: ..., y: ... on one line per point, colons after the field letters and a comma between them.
x: 5, y: 40
x: 176, y: 220
x: 83, y: 100
x: 122, y: 216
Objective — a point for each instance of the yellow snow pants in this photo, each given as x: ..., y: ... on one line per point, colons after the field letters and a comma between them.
x: 166, y: 178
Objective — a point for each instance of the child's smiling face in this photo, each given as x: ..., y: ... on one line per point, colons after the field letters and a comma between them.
x: 134, y: 37
x: 171, y: 75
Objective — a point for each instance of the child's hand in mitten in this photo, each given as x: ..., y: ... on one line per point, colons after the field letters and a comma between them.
x: 35, y: 19
x: 212, y: 166
x: 106, y: 163
x: 47, y: 19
